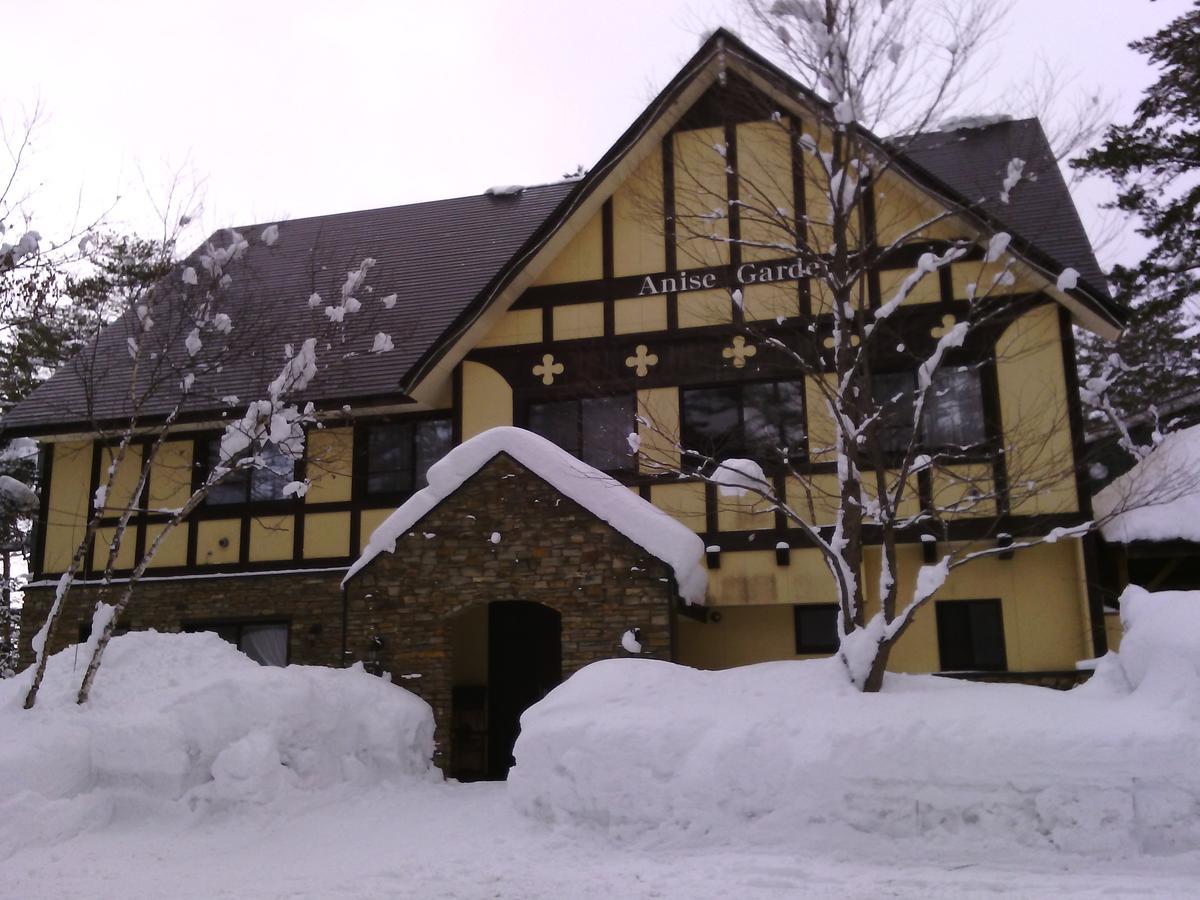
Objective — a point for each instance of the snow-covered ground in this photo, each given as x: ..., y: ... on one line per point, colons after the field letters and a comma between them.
x: 196, y: 774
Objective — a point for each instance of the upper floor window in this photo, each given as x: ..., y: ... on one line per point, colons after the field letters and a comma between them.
x: 764, y: 421
x: 953, y: 415
x: 253, y: 484
x: 399, y: 454
x: 594, y: 429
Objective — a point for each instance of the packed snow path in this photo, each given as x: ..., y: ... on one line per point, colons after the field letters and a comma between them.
x: 465, y: 841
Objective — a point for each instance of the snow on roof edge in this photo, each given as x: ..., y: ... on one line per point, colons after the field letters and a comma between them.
x: 606, y: 498
x: 1159, y: 498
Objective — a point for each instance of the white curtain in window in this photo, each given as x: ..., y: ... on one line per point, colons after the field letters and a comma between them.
x: 267, y: 645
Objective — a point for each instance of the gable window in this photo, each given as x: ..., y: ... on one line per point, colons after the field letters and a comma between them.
x: 953, y: 415
x: 399, y: 454
x: 971, y: 636
x: 264, y: 642
x: 594, y: 429
x: 764, y: 421
x: 252, y: 483
x: 816, y: 627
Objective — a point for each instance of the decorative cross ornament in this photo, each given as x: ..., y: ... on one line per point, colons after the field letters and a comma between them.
x: 739, y: 352
x: 548, y: 369
x: 948, y: 322
x: 828, y: 342
x: 642, y: 360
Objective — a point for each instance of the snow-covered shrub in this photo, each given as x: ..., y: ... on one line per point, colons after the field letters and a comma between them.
x: 660, y: 752
x: 187, y: 721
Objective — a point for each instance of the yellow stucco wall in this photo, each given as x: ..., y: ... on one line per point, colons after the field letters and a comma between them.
x: 326, y: 535
x: 578, y: 320
x: 124, y: 480
x: 700, y: 191
x: 487, y: 399
x: 172, y: 551
x: 765, y: 189
x: 639, y: 315
x: 171, y: 476
x: 68, y: 504
x: 1033, y: 405
x: 581, y: 259
x: 637, y: 221
x: 330, y: 460
x: 1044, y: 629
x: 271, y: 538
x: 218, y: 541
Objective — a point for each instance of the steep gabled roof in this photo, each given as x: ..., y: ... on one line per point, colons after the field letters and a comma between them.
x: 973, y: 161
x: 448, y: 262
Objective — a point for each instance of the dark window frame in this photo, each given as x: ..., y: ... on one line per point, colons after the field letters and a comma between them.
x: 194, y: 626
x: 811, y: 645
x: 947, y: 660
x: 202, y: 455
x: 983, y: 417
x: 630, y: 467
x: 739, y: 448
x: 362, y: 456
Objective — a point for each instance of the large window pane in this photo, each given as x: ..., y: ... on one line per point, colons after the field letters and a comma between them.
x: 895, y: 393
x: 389, y: 459
x: 594, y: 429
x: 233, y: 487
x: 607, y: 424
x: 557, y: 422
x: 274, y: 471
x: 773, y: 419
x: 711, y: 420
x: 433, y: 439
x: 954, y: 409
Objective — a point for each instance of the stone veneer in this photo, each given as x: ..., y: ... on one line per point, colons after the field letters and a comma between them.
x: 311, y: 604
x: 550, y: 550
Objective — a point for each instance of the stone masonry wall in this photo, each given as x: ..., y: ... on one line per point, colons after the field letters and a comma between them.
x: 550, y: 550
x: 310, y: 602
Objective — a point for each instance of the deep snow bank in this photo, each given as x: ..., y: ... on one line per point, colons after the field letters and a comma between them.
x: 185, y: 721
x: 787, y: 751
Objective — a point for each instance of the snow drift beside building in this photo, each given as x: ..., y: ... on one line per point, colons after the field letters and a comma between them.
x: 184, y: 722
x: 659, y: 752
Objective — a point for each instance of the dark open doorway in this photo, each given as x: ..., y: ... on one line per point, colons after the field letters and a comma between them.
x: 524, y: 665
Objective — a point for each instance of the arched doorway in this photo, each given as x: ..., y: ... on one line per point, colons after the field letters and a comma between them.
x: 521, y: 646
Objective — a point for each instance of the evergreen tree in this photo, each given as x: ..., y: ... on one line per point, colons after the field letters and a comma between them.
x: 1154, y: 160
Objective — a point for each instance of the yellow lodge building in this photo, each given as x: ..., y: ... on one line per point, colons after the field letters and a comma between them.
x: 585, y: 311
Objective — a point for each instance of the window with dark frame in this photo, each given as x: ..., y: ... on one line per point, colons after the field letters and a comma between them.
x: 399, y: 454
x: 762, y: 420
x: 593, y: 429
x: 264, y: 642
x: 816, y: 627
x: 971, y: 636
x: 953, y: 415
x: 246, y: 484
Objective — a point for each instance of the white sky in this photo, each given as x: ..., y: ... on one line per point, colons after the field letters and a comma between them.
x: 287, y: 109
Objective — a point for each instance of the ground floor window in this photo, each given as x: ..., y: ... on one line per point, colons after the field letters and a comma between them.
x: 971, y: 636
x: 816, y: 627
x: 594, y: 429
x: 264, y: 642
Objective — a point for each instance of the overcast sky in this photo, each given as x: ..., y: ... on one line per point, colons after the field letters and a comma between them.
x: 287, y: 109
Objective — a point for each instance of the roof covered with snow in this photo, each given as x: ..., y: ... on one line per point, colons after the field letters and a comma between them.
x: 606, y: 498
x: 1159, y: 498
